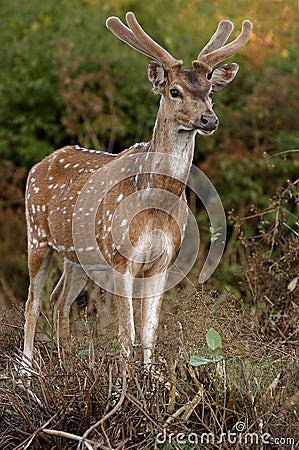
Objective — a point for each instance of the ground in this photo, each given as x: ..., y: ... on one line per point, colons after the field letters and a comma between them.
x: 90, y: 388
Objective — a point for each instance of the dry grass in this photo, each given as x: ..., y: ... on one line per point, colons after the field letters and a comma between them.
x: 88, y: 397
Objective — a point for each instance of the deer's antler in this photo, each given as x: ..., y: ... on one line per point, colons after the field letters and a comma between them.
x: 215, y: 51
x: 137, y: 38
x: 221, y: 35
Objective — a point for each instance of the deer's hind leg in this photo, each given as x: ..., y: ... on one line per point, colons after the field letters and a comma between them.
x: 70, y: 285
x: 39, y: 260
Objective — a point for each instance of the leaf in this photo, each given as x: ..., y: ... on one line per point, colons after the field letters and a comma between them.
x: 292, y: 284
x: 213, y: 339
x: 201, y: 361
x: 217, y: 358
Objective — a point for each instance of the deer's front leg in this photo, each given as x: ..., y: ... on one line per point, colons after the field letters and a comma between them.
x: 150, y: 312
x: 124, y: 285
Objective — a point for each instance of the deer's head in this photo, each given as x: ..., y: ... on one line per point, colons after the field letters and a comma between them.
x: 186, y: 93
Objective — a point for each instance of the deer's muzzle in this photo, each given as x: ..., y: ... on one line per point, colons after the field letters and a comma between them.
x: 209, y: 122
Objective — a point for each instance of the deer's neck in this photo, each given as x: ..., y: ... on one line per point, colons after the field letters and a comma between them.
x: 177, y: 145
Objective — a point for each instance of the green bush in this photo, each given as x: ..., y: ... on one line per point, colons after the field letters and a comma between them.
x: 53, y: 56
x: 64, y: 78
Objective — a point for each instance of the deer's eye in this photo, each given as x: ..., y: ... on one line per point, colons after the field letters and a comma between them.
x: 174, y: 93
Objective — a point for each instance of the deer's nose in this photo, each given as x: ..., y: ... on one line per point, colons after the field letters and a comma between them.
x: 209, y: 122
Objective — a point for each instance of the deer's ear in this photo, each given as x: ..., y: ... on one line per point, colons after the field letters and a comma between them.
x: 223, y: 75
x: 156, y: 75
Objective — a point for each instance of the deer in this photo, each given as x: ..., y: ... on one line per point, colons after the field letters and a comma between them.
x: 74, y: 194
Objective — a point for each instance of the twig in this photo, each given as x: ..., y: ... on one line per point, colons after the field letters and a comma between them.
x: 106, y: 435
x: 275, y: 231
x: 137, y: 403
x: 193, y: 404
x: 268, y: 395
x: 110, y: 413
x: 8, y: 291
x: 140, y: 392
x: 193, y: 377
x: 58, y: 339
x: 175, y: 415
x: 74, y: 437
x: 30, y: 439
x: 249, y: 394
x: 109, y: 387
x: 290, y: 228
x: 188, y: 408
x: 294, y: 150
x: 173, y: 392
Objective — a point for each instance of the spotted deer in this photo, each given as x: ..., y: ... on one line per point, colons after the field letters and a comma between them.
x: 67, y: 212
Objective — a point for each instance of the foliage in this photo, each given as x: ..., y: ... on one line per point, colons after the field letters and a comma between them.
x: 269, y: 279
x: 214, y: 343
x: 65, y: 78
x: 13, y: 266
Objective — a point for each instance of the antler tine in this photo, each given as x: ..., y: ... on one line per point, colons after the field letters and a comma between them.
x: 137, y: 38
x: 219, y: 54
x: 153, y: 47
x: 221, y: 35
x: 124, y: 33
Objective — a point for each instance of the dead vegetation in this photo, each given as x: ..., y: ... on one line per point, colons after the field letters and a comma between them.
x: 88, y: 397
